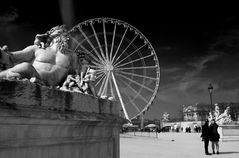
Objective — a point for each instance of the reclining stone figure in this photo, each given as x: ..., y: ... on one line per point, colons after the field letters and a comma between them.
x: 48, y: 61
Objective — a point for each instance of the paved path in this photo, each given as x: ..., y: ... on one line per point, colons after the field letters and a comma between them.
x: 171, y: 145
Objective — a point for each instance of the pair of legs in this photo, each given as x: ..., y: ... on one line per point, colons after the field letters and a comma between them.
x: 22, y: 70
x: 206, y: 143
x: 215, y: 143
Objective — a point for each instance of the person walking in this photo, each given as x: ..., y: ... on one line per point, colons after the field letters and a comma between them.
x: 205, y: 136
x: 214, y: 136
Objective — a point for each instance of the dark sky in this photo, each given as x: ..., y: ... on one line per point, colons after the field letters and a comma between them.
x: 196, y: 44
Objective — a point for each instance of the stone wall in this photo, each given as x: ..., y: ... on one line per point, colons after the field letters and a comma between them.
x: 39, y: 122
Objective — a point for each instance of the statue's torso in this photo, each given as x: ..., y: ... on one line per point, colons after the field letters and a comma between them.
x: 51, y: 64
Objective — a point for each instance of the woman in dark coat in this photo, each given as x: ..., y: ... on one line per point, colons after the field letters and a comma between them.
x: 214, y: 136
x: 205, y: 136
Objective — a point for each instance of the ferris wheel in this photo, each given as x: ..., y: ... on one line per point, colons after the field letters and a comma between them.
x: 126, y: 64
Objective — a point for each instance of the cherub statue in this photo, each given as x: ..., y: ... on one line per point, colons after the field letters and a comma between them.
x: 48, y: 61
x: 70, y: 83
x: 216, y: 112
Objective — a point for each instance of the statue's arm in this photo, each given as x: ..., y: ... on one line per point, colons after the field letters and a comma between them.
x: 71, y: 77
x: 25, y: 55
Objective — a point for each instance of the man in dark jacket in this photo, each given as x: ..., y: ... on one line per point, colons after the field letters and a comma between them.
x: 205, y: 136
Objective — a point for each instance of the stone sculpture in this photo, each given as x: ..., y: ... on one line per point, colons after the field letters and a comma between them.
x: 48, y: 62
x: 224, y: 118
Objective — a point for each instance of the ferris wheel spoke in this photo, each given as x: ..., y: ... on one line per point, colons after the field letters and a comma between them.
x: 149, y: 89
x: 100, y: 92
x: 102, y: 62
x: 136, y: 92
x: 132, y: 68
x: 75, y: 40
x: 126, y: 48
x: 133, y: 104
x: 98, y: 42
x: 112, y: 44
x: 112, y: 61
x: 130, y: 62
x: 120, y: 98
x: 130, y: 54
x: 134, y: 74
x: 105, y: 40
x: 94, y: 60
x: 87, y: 51
x: 104, y: 92
x: 92, y: 46
x: 96, y: 65
x: 99, y: 73
x: 131, y: 101
x: 102, y: 76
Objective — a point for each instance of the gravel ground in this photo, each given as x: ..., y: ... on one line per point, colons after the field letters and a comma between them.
x: 171, y: 145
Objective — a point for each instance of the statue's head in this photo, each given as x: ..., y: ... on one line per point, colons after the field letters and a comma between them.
x: 60, y: 34
x: 83, y: 57
x: 57, y: 31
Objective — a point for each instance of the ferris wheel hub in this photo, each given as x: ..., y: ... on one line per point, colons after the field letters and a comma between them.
x: 108, y: 67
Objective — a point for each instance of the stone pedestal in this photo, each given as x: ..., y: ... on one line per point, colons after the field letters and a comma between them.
x: 40, y: 122
x: 229, y: 132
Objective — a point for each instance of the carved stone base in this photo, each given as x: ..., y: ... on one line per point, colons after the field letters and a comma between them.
x: 41, y: 122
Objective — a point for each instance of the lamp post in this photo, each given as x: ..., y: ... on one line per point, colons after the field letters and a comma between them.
x: 210, y: 88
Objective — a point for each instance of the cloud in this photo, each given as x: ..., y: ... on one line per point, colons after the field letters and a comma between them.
x: 171, y: 70
x: 200, y: 64
x: 185, y: 77
x: 187, y: 83
x: 163, y: 48
x: 228, y: 42
x: 228, y: 38
x: 229, y: 95
x: 9, y: 15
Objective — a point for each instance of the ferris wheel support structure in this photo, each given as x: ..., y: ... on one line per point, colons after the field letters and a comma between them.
x: 120, y: 98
